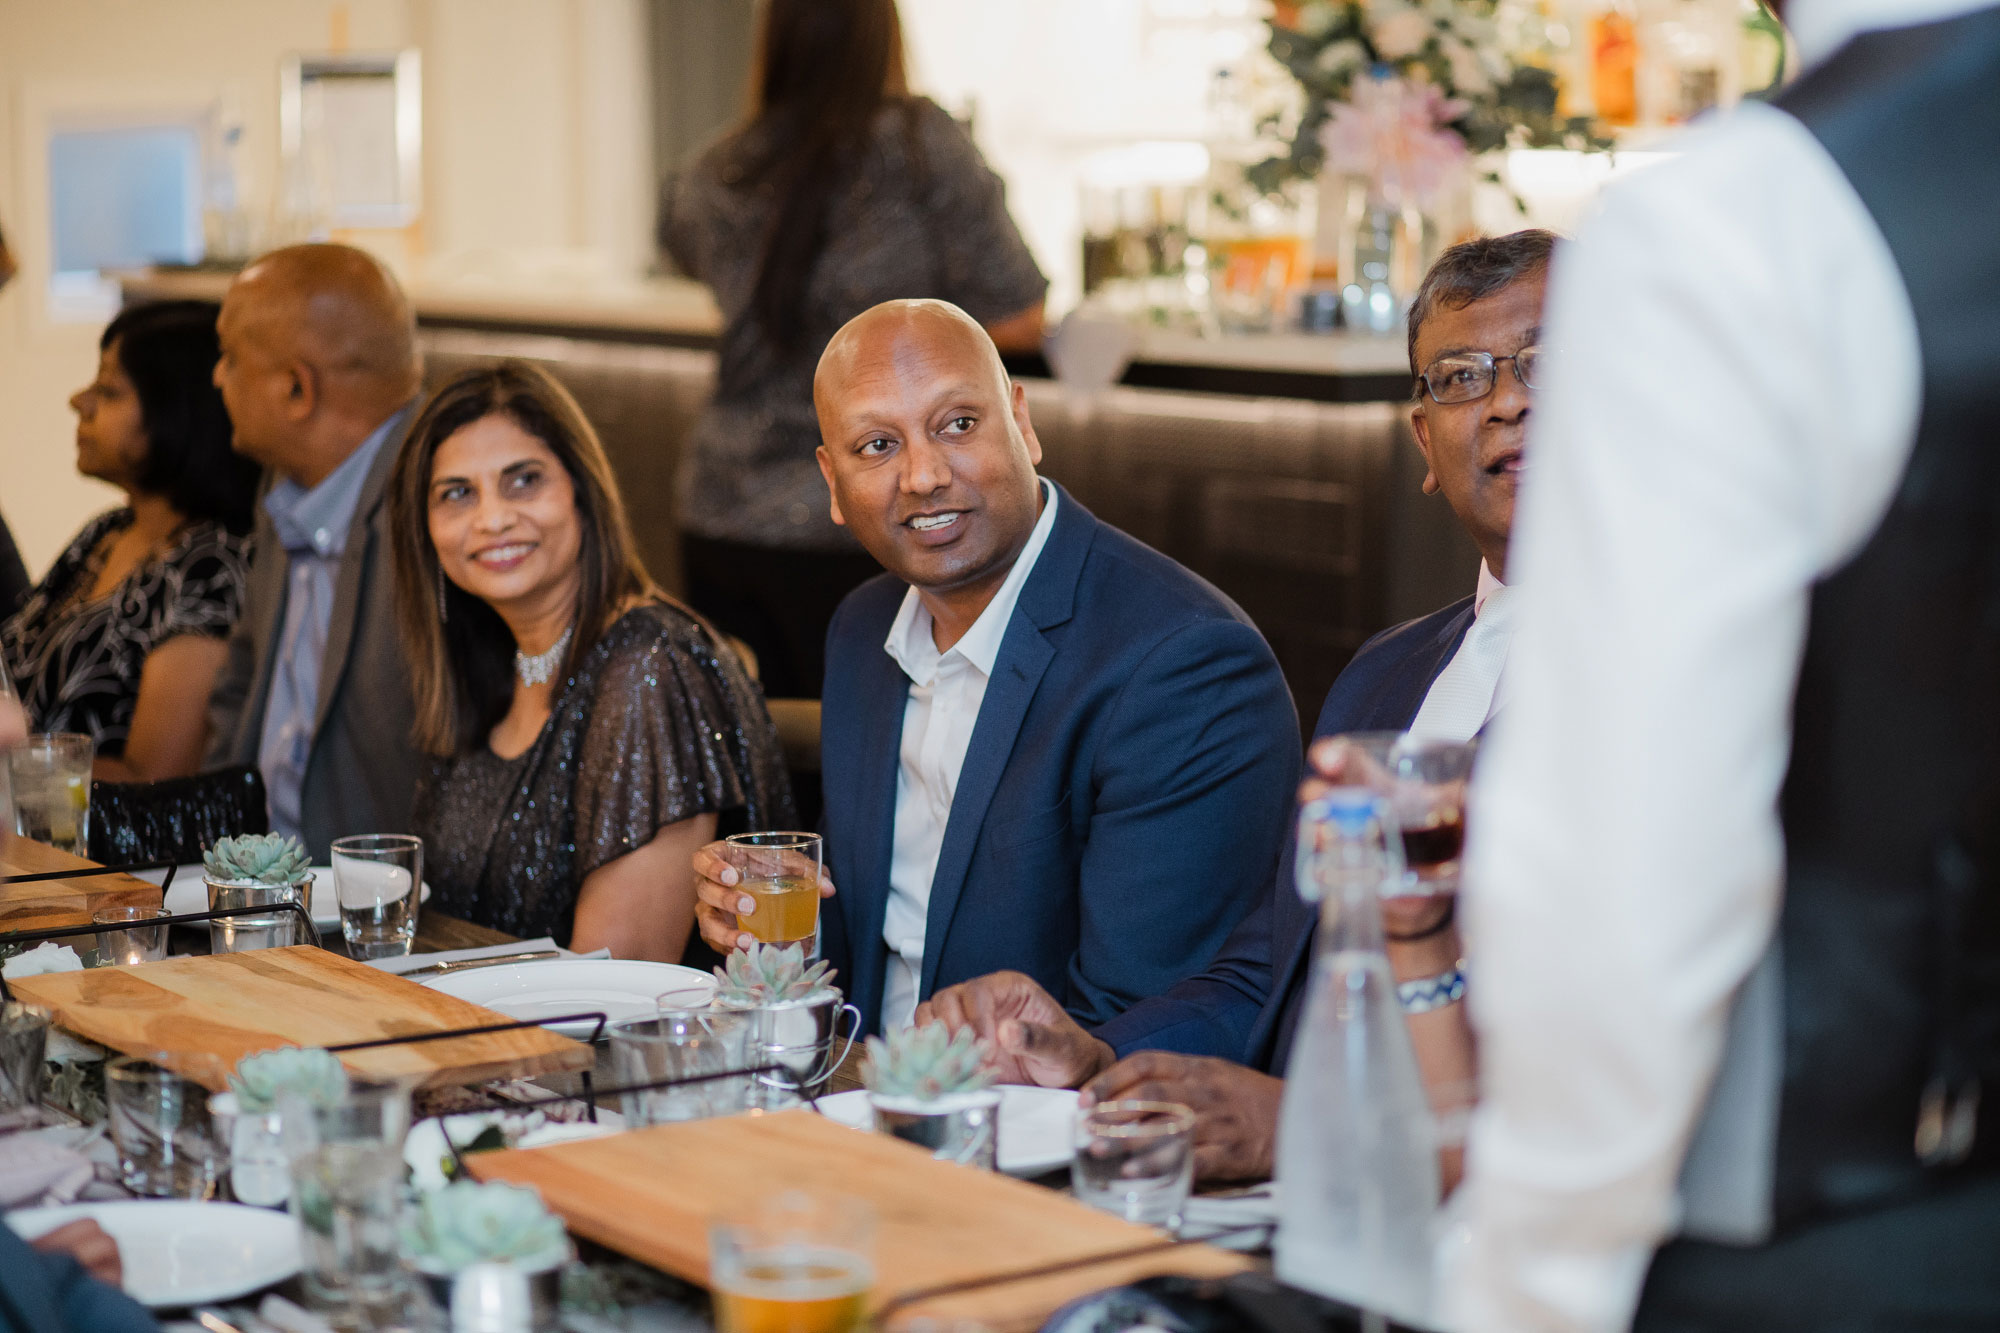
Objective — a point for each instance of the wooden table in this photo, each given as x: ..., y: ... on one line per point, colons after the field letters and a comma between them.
x: 47, y: 904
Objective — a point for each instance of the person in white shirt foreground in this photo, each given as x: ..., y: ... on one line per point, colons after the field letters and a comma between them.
x: 1730, y: 887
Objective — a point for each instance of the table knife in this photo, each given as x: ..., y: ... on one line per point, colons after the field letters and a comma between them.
x: 454, y: 964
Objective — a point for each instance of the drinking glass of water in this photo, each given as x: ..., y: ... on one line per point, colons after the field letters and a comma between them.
x: 378, y: 878
x: 159, y: 1121
x: 347, y: 1192
x: 51, y: 781
x: 1135, y: 1159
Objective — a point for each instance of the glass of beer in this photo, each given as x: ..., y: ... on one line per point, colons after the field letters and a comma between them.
x: 793, y: 1263
x: 781, y: 872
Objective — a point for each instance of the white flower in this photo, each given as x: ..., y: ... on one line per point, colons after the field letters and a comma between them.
x: 1468, y: 73
x: 1341, y: 55
x: 1400, y: 34
x: 48, y: 956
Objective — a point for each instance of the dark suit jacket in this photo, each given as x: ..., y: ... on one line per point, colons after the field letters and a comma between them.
x: 1122, y: 798
x: 1244, y: 1007
x: 362, y: 772
x: 50, y: 1293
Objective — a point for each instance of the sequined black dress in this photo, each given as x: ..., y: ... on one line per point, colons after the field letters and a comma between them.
x: 656, y: 726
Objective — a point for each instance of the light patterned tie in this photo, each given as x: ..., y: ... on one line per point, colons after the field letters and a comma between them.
x: 1466, y: 691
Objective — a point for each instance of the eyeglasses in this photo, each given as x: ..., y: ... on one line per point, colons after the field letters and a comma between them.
x: 1466, y: 376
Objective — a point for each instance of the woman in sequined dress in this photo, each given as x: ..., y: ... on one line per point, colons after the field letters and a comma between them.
x: 587, y: 732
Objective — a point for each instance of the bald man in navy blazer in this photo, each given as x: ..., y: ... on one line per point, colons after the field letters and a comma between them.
x: 1046, y: 747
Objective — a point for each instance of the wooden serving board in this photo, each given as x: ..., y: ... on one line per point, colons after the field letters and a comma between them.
x: 206, y: 1012
x: 61, y: 902
x: 650, y: 1194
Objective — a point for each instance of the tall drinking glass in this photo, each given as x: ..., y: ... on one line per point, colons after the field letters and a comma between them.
x: 241, y: 934
x: 377, y: 877
x: 1424, y: 783
x: 680, y: 1043
x: 166, y: 1143
x: 780, y: 872
x: 24, y: 1041
x: 347, y: 1192
x: 51, y: 780
x: 795, y: 1262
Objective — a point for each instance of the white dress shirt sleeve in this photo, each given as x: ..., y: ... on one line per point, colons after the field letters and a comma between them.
x: 1732, y: 402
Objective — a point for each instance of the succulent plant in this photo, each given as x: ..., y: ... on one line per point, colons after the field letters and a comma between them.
x: 307, y: 1071
x: 767, y: 975
x: 266, y: 858
x: 927, y: 1064
x: 468, y: 1223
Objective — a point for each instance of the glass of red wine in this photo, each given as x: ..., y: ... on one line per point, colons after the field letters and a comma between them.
x: 1424, y: 783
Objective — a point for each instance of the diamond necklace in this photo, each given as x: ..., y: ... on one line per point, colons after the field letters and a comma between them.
x: 537, y: 670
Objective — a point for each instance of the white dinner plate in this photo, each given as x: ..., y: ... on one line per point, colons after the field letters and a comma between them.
x: 177, y: 1252
x: 621, y: 988
x: 189, y: 894
x: 1035, y: 1125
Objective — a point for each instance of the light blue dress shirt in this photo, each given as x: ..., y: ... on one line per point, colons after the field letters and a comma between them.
x: 313, y: 527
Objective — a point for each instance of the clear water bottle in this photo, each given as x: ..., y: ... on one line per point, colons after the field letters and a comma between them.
x: 1357, y: 1159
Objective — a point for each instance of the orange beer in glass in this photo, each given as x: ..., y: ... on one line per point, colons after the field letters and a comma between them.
x: 793, y: 1263
x: 780, y: 871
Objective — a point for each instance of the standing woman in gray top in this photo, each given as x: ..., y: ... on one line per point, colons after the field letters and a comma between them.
x: 842, y: 191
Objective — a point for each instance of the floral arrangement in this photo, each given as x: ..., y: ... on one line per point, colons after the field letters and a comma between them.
x: 308, y: 1072
x: 1405, y: 92
x: 257, y: 858
x: 468, y: 1223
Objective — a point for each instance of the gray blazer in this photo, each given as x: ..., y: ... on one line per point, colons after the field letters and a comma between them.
x: 362, y: 772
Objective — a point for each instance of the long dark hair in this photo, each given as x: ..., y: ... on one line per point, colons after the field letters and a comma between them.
x: 168, y: 350
x: 460, y: 652
x: 823, y: 71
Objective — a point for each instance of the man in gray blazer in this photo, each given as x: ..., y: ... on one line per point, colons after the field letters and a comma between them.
x: 320, y: 372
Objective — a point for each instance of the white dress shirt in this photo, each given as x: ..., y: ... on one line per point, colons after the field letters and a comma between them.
x: 1734, y: 402
x: 1471, y: 688
x: 946, y: 690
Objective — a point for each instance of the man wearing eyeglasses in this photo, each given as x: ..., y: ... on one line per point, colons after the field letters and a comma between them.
x: 1218, y: 1041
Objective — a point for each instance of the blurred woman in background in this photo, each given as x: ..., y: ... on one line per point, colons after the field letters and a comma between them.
x: 125, y: 636
x: 841, y: 191
x: 587, y: 733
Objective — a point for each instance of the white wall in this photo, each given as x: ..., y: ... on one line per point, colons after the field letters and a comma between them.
x: 536, y: 157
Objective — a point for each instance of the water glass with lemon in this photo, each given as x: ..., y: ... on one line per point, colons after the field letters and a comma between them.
x: 51, y: 780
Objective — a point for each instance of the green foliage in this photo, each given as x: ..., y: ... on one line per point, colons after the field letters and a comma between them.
x: 766, y: 974
x: 314, y: 1075
x: 468, y: 1223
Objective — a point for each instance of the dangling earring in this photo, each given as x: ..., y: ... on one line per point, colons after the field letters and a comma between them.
x: 444, y: 612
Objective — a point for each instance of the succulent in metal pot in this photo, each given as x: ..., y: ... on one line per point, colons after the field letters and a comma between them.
x: 927, y: 1064
x: 468, y: 1223
x: 263, y: 858
x: 766, y: 974
x: 313, y: 1074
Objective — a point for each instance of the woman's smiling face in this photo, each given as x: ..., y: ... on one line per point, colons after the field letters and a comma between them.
x: 503, y: 516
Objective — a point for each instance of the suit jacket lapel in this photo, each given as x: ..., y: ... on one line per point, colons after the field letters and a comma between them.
x: 1407, y: 687
x: 357, y: 561
x: 1047, y: 599
x: 886, y: 694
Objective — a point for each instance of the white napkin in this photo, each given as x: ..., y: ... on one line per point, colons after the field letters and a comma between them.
x: 1204, y: 1215
x: 43, y: 1166
x: 48, y: 956
x: 416, y: 960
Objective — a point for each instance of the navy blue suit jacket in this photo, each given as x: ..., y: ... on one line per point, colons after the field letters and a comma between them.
x: 1243, y: 1008
x: 1123, y: 796
x: 50, y: 1293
